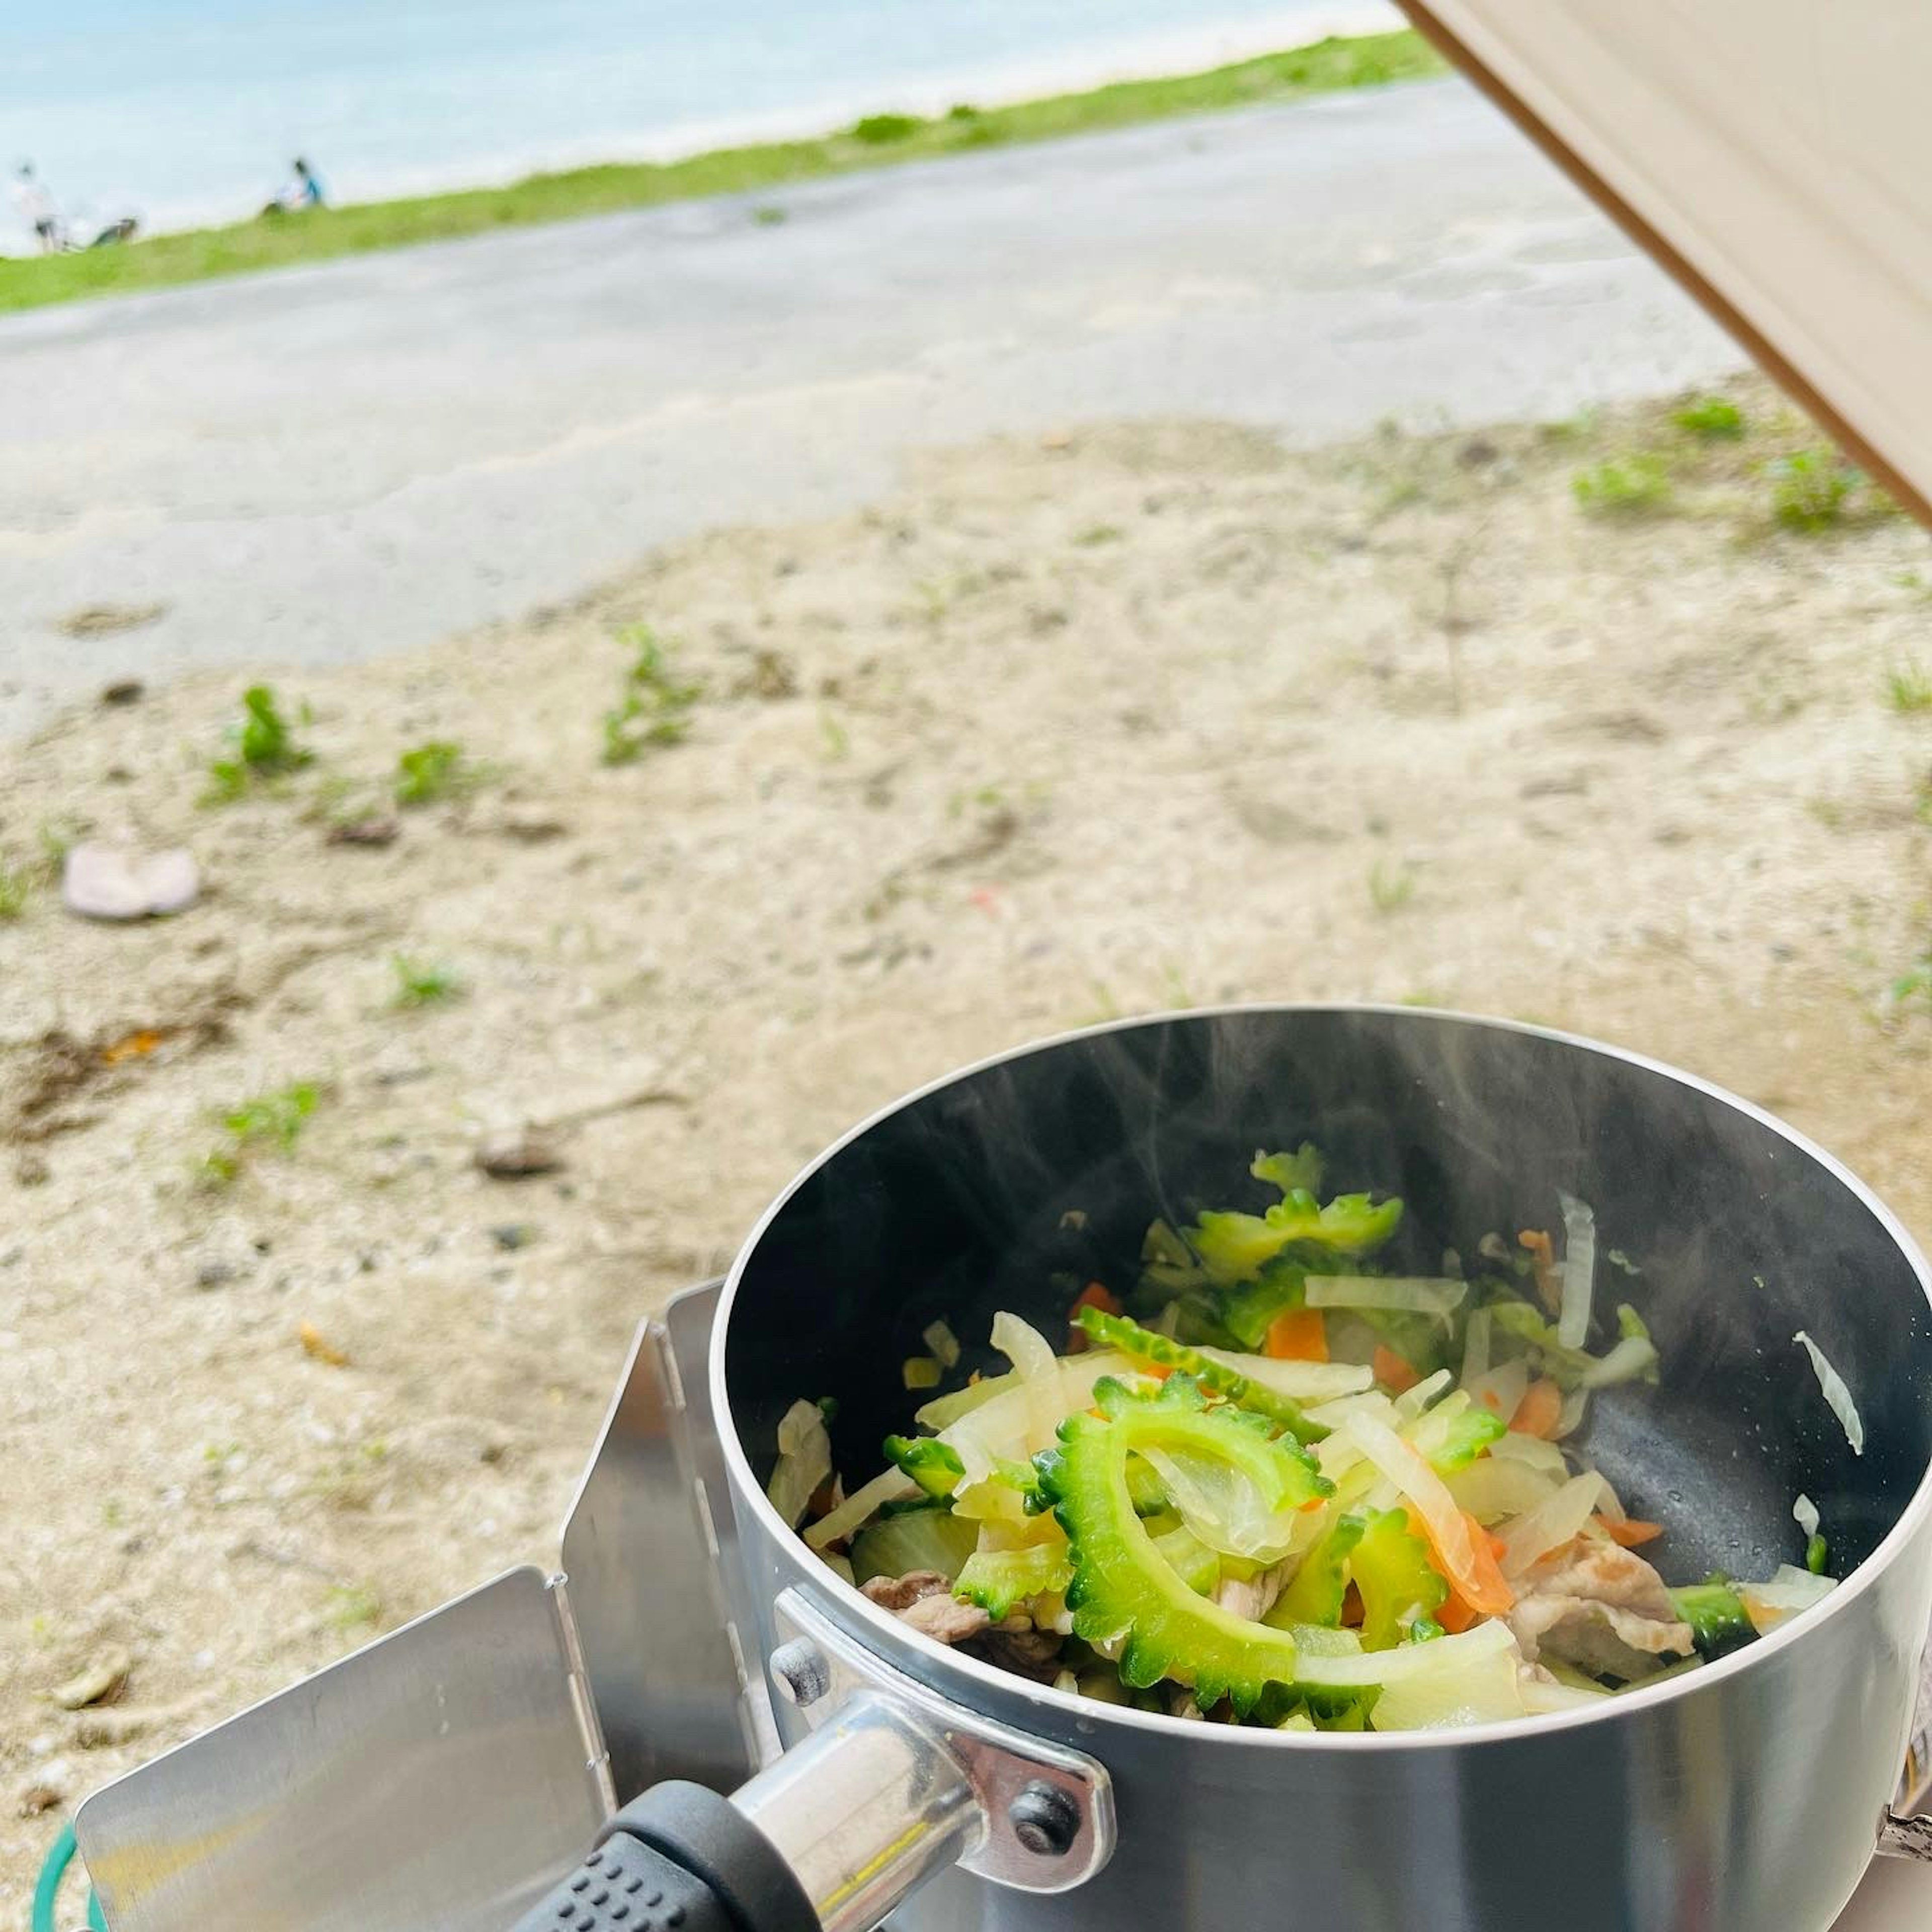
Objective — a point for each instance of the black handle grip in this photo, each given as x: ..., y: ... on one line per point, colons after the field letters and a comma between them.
x: 680, y: 1858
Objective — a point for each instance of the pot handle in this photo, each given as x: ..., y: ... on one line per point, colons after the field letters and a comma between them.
x: 892, y: 1785
x: 680, y: 1855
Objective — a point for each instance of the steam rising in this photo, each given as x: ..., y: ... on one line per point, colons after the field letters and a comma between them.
x: 963, y: 1201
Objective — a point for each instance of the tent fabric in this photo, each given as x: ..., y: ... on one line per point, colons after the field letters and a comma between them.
x: 1774, y: 154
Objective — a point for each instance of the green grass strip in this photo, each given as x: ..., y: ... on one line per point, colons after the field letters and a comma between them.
x: 1328, y: 66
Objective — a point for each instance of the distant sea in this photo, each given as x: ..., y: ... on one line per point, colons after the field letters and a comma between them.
x: 187, y: 111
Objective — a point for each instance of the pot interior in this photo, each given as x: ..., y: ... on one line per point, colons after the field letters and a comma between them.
x: 975, y: 1196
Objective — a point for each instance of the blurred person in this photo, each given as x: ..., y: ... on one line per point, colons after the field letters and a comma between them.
x: 37, y: 208
x: 302, y: 191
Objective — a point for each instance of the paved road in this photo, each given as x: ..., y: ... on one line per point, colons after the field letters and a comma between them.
x: 362, y: 456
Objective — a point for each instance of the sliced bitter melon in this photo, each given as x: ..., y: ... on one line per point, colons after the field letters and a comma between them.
x: 1125, y: 1596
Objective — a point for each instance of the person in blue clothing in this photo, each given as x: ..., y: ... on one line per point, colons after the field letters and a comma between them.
x: 302, y: 191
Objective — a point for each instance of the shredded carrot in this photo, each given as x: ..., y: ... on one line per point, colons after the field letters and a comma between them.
x: 1480, y: 1589
x: 1549, y: 1282
x: 1393, y: 1371
x: 1540, y: 1410
x: 1482, y: 1592
x: 1297, y: 1335
x: 1631, y: 1531
x: 1093, y: 1295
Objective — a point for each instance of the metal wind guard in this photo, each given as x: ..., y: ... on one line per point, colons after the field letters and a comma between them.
x: 447, y: 1775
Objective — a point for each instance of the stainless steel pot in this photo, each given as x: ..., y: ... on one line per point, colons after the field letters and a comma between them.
x: 1748, y: 1794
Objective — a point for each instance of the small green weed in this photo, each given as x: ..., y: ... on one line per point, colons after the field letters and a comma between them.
x: 1715, y: 419
x: 769, y: 216
x: 1808, y: 489
x: 17, y: 886
x: 876, y: 130
x: 655, y: 709
x: 1390, y: 887
x: 835, y: 739
x: 980, y: 798
x: 264, y: 747
x: 432, y: 771
x: 1908, y: 687
x: 350, y: 1606
x: 422, y: 982
x: 1096, y: 535
x: 1630, y: 486
x: 57, y: 837
x: 268, y: 1120
x: 1913, y: 987
x: 1175, y: 991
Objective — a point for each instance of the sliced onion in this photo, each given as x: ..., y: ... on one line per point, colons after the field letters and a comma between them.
x: 1038, y: 1368
x: 1791, y: 1591
x: 892, y: 1486
x: 1023, y: 1418
x: 1493, y: 1489
x: 1408, y: 1294
x: 1485, y: 1690
x: 1502, y: 1390
x: 945, y: 1410
x: 1299, y: 1381
x: 1220, y: 1504
x: 1609, y: 1505
x: 1490, y: 1638
x: 1370, y: 1402
x: 1805, y: 1514
x: 1397, y: 1460
x: 1570, y: 1417
x: 1557, y: 1519
x: 944, y: 1343
x: 805, y: 1461
x: 1539, y: 1454
x: 1540, y: 1697
x: 1632, y: 1356
x: 1476, y: 1347
x: 1412, y: 1403
x: 1836, y: 1393
x: 1579, y: 1271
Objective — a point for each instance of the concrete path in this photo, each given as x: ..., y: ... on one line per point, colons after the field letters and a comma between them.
x: 360, y: 456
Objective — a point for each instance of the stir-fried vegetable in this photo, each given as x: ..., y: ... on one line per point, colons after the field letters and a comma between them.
x: 1396, y: 1581
x: 1236, y: 1247
x: 1124, y: 1598
x: 915, y: 1539
x: 1116, y: 1331
x: 805, y: 1461
x: 997, y: 1580
x: 1837, y: 1396
x: 1716, y: 1616
x: 1297, y: 1487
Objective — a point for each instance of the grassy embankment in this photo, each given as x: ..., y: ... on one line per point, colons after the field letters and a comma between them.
x: 881, y: 140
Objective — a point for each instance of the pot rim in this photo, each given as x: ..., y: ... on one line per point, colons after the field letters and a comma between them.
x: 884, y: 1633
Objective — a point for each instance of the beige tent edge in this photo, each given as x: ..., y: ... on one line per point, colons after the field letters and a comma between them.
x: 1767, y: 161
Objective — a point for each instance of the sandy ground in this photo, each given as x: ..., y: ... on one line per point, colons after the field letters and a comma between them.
x: 346, y: 460
x: 1143, y: 716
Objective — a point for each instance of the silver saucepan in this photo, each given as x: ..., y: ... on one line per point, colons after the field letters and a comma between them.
x: 1745, y: 1796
